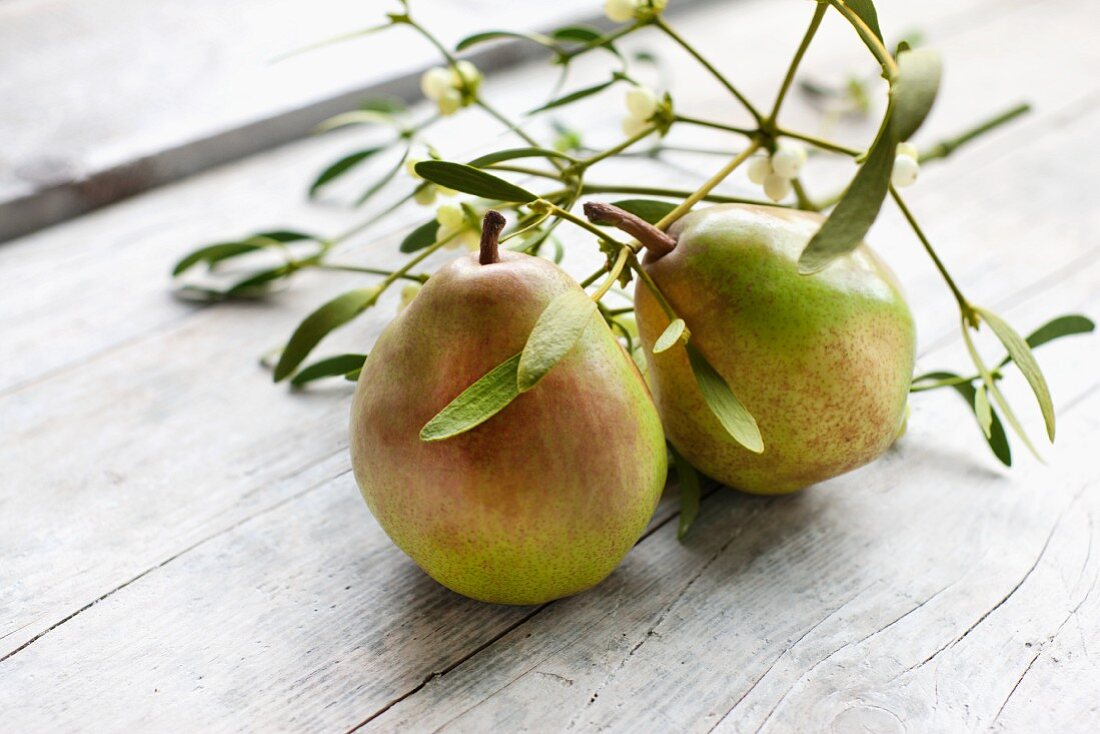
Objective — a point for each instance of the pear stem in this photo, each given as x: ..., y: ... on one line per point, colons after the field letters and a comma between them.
x: 654, y: 240
x: 491, y: 227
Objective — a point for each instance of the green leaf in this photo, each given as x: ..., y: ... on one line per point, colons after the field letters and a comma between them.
x: 688, y: 481
x: 672, y: 333
x: 386, y: 178
x: 731, y: 413
x: 1056, y: 329
x: 421, y: 237
x: 574, y: 96
x: 257, y: 281
x: 914, y: 92
x: 214, y: 253
x: 998, y: 398
x: 477, y: 403
x: 385, y: 105
x: 353, y: 376
x: 339, y: 168
x: 470, y: 180
x: 337, y: 366
x: 865, y: 9
x: 514, y: 153
x: 358, y: 117
x: 651, y: 210
x: 1020, y: 352
x: 996, y: 438
x: 858, y: 207
x: 483, y: 37
x: 558, y: 328
x: 584, y: 34
x: 982, y: 410
x: 281, y: 235
x: 317, y: 325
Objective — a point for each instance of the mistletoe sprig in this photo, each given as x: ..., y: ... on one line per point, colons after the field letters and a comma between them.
x: 541, y: 183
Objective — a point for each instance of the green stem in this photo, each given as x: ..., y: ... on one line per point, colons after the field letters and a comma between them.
x: 585, y: 163
x: 714, y: 125
x: 685, y: 206
x: 348, y: 233
x: 413, y: 262
x: 422, y: 278
x: 820, y: 143
x: 602, y: 40
x: 805, y: 203
x: 660, y: 23
x: 675, y: 193
x: 946, y: 147
x: 524, y: 170
x: 815, y: 23
x: 512, y: 127
x: 648, y: 282
x: 614, y: 273
x: 582, y: 223
x: 964, y: 306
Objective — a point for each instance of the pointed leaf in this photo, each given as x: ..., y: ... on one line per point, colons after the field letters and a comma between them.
x: 982, y: 410
x: 257, y: 281
x: 281, y: 235
x: 385, y: 105
x: 317, y: 325
x: 1056, y: 329
x: 731, y: 413
x: 865, y: 9
x: 558, y: 328
x: 1020, y: 352
x: 421, y: 237
x: 386, y: 178
x: 214, y: 253
x: 998, y: 398
x: 996, y: 438
x: 688, y: 480
x: 478, y: 38
x: 584, y: 34
x: 337, y: 366
x: 858, y: 207
x: 340, y: 167
x: 470, y: 180
x: 477, y: 403
x: 915, y: 90
x: 514, y: 153
x: 672, y: 334
x: 651, y: 210
x: 573, y: 96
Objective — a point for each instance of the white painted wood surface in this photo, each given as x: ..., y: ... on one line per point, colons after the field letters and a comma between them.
x: 182, y: 546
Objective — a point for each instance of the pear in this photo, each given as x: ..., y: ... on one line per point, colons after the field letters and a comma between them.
x: 823, y: 361
x: 545, y: 498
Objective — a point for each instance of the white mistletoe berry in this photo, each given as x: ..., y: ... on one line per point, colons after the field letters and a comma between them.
x: 641, y: 102
x: 620, y: 11
x: 777, y: 187
x: 633, y: 125
x: 788, y: 160
x: 434, y: 83
x: 905, y: 173
x: 759, y: 168
x: 910, y: 150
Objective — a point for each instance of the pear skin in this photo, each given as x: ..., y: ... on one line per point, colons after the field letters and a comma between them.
x: 823, y: 361
x: 545, y: 498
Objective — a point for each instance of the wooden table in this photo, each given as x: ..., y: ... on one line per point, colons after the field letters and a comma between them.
x: 182, y: 545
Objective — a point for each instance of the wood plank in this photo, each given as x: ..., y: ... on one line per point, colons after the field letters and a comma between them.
x: 253, y: 468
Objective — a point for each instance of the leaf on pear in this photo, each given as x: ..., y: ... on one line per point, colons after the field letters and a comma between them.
x: 858, y: 207
x: 688, y: 480
x: 557, y: 330
x: 421, y: 237
x: 337, y: 366
x: 470, y: 180
x: 340, y: 167
x: 651, y: 210
x: 476, y: 404
x: 675, y: 330
x: 514, y: 153
x: 914, y: 92
x: 317, y: 325
x: 1021, y: 354
x: 730, y: 411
